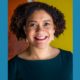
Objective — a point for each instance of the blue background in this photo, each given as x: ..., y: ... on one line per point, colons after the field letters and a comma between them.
x: 4, y: 39
x: 76, y: 39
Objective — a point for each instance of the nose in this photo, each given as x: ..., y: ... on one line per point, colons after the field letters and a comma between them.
x: 39, y: 29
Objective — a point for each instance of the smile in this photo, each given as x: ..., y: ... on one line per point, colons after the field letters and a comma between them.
x: 41, y: 38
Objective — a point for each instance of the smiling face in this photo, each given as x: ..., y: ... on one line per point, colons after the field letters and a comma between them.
x: 40, y: 29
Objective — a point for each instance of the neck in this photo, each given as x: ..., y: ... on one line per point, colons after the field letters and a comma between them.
x: 40, y: 53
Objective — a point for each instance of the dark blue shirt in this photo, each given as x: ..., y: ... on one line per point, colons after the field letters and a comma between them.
x: 58, y: 68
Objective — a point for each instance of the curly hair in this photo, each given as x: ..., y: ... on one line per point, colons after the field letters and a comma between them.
x: 23, y: 12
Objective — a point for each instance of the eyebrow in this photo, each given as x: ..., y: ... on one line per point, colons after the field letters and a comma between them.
x: 47, y: 20
x: 31, y: 21
x: 36, y: 21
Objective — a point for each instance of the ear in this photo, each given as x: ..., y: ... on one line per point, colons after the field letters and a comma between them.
x: 27, y: 42
x: 54, y: 29
x: 24, y: 28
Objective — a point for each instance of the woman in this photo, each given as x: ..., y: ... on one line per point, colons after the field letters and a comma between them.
x: 39, y: 23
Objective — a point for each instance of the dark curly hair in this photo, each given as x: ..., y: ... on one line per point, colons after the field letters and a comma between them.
x: 23, y: 11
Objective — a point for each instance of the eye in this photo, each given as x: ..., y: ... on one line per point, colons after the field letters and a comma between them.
x: 33, y: 25
x: 46, y: 24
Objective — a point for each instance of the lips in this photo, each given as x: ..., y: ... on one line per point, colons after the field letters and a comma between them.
x: 41, y: 37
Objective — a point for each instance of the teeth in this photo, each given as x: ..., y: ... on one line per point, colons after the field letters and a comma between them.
x: 40, y: 37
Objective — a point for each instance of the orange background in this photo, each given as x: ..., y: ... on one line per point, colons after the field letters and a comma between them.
x: 14, y: 46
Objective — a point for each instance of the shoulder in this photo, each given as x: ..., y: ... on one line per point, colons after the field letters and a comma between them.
x: 66, y: 56
x: 13, y: 60
x: 12, y: 64
x: 66, y: 53
x: 15, y: 65
x: 16, y: 59
x: 67, y: 63
x: 12, y: 68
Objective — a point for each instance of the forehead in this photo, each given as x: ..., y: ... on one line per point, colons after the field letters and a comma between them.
x: 40, y: 15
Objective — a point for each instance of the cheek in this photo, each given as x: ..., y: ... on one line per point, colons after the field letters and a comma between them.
x: 30, y: 33
x: 52, y: 34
